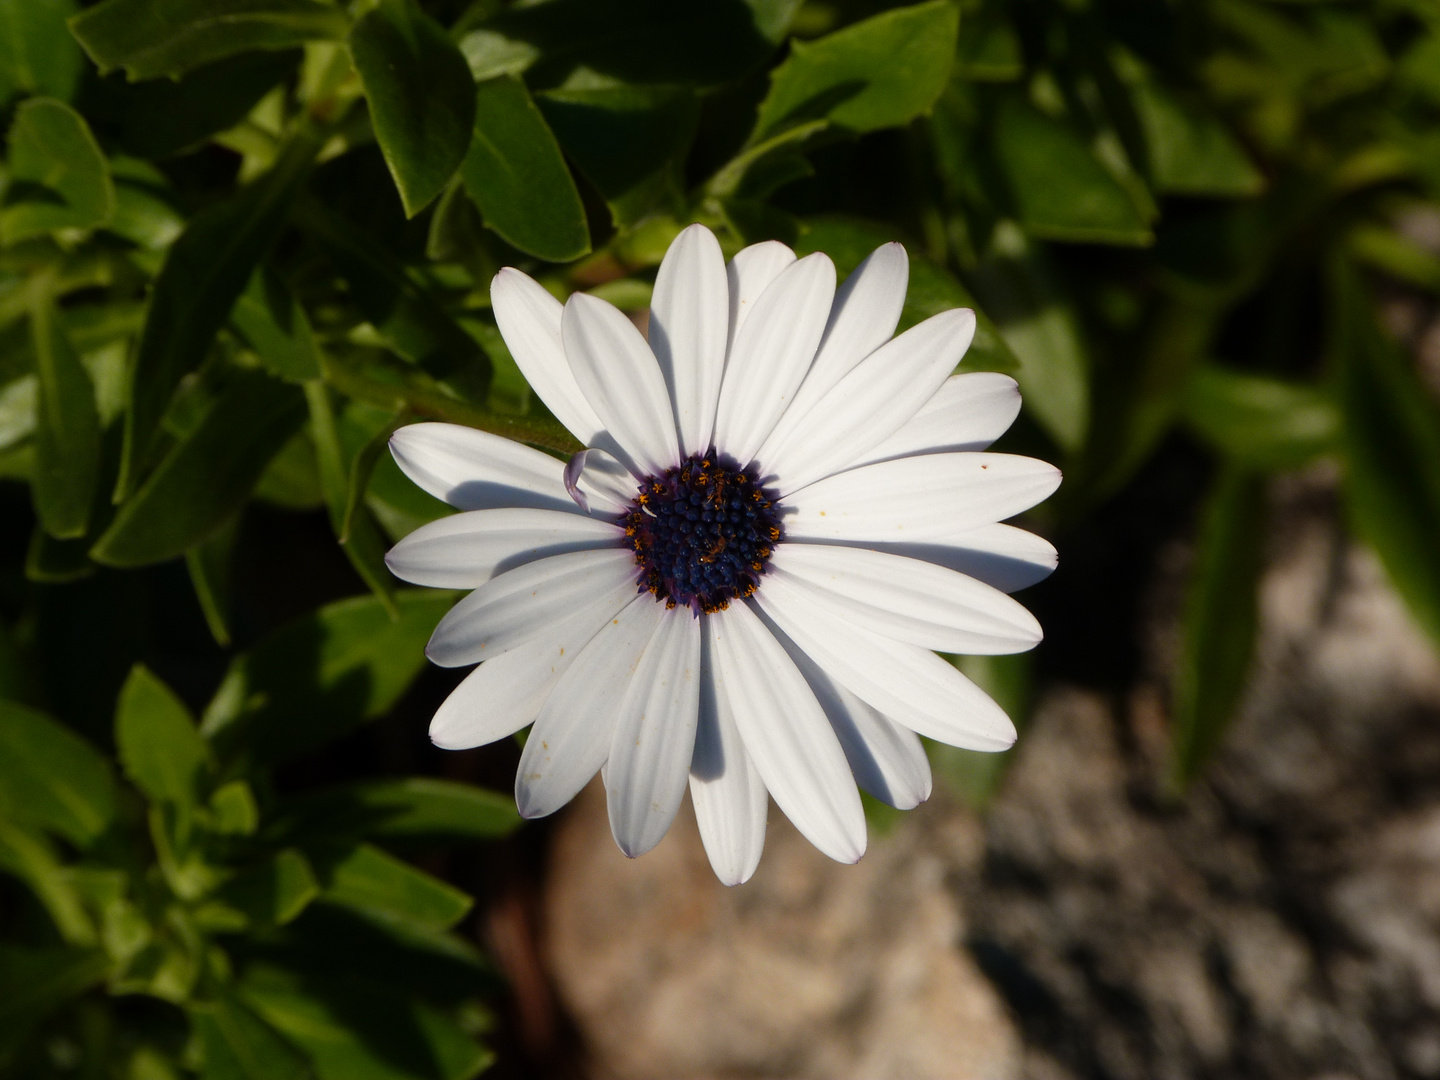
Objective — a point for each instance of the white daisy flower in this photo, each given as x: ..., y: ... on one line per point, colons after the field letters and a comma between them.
x: 784, y: 509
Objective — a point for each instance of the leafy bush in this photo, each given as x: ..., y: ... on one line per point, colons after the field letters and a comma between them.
x: 246, y: 239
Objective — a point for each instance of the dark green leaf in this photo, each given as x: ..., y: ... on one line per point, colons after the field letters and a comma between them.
x: 205, y: 271
x: 292, y: 479
x: 273, y: 892
x: 209, y: 565
x: 169, y: 37
x: 322, y: 676
x: 422, y: 99
x: 1261, y: 422
x: 32, y: 858
x: 52, y: 778
x: 369, y: 881
x: 1191, y: 151
x: 881, y: 72
x: 420, y: 809
x: 235, y: 1044
x: 1059, y: 188
x: 34, y: 982
x: 629, y: 141
x: 67, y: 437
x: 1390, y: 437
x: 1218, y: 635
x: 517, y: 175
x: 55, y: 562
x: 58, y: 177
x: 275, y: 325
x: 37, y: 53
x: 1396, y: 255
x: 989, y: 48
x: 162, y: 753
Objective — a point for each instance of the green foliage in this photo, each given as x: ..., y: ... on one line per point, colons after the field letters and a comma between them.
x: 59, y: 179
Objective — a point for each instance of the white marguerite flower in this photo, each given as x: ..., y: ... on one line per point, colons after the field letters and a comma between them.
x: 738, y: 587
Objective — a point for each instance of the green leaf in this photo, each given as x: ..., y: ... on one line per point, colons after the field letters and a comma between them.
x: 67, y: 437
x: 205, y: 271
x: 37, y: 53
x: 362, y: 1029
x: 149, y: 38
x: 1396, y: 255
x: 274, y: 324
x: 1039, y: 325
x: 209, y: 566
x: 1191, y: 151
x: 322, y: 676
x: 416, y: 809
x: 162, y: 753
x: 235, y: 1044
x: 32, y: 858
x: 1218, y: 633
x: 207, y: 475
x: 881, y: 72
x: 973, y: 775
x: 1059, y: 188
x: 516, y: 175
x: 59, y: 179
x: 55, y: 562
x: 292, y: 479
x: 932, y: 289
x: 1260, y: 422
x: 273, y: 892
x: 628, y: 141
x: 367, y: 880
x: 52, y: 778
x: 35, y: 982
x: 989, y: 49
x: 1390, y: 438
x: 422, y: 99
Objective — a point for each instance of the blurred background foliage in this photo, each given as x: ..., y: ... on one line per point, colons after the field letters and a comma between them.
x: 245, y: 239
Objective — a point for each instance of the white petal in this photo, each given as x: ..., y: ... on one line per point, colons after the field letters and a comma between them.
x: 911, y: 600
x: 474, y: 470
x: 529, y: 321
x: 927, y: 499
x: 787, y: 735
x: 864, y: 316
x: 618, y: 375
x: 689, y: 323
x: 910, y: 685
x: 1011, y: 559
x: 599, y: 482
x: 772, y: 351
x: 571, y: 736
x: 729, y: 797
x: 466, y: 550
x: 503, y: 695
x: 888, y: 760
x: 654, y: 736
x: 969, y: 412
x: 749, y: 274
x: 522, y: 603
x: 870, y: 404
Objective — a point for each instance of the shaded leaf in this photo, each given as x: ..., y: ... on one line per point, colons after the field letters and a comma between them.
x: 989, y: 49
x: 274, y: 324
x: 169, y: 37
x: 881, y: 72
x: 208, y: 563
x: 374, y: 883
x: 1261, y: 422
x: 67, y: 437
x: 162, y: 753
x: 273, y: 892
x: 34, y: 982
x: 416, y: 809
x: 422, y: 99
x: 1218, y: 629
x: 37, y: 53
x: 58, y: 179
x: 516, y: 175
x: 322, y: 676
x: 52, y: 778
x: 1191, y: 150
x: 32, y: 858
x: 235, y: 1044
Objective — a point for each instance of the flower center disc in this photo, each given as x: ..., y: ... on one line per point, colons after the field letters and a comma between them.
x: 702, y: 533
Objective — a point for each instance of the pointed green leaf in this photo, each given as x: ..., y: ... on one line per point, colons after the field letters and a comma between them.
x: 367, y: 880
x: 322, y: 676
x: 1191, y: 150
x: 419, y: 809
x: 1059, y: 188
x: 37, y: 53
x: 273, y: 892
x: 52, y: 778
x: 67, y: 438
x: 1218, y: 633
x: 207, y: 475
x: 881, y: 72
x: 1262, y: 422
x: 422, y: 99
x: 59, y: 179
x: 208, y: 563
x: 162, y: 753
x: 169, y: 37
x: 517, y: 176
x: 235, y: 1044
x: 204, y: 273
x: 275, y: 325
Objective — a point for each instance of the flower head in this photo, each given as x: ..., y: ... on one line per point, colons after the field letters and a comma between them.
x: 784, y: 508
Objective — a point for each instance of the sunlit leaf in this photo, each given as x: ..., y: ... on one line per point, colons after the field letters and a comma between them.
x: 422, y: 99
x: 58, y: 177
x: 169, y: 37
x: 517, y: 176
x: 52, y: 778
x: 67, y: 436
